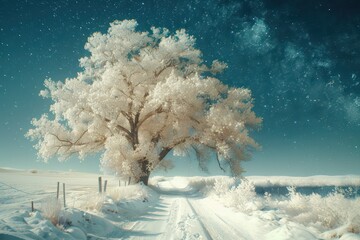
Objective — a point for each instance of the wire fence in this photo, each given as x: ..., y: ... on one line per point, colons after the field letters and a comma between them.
x: 14, y: 188
x: 9, y: 198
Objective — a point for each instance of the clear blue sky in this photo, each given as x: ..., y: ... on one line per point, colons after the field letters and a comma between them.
x: 300, y: 58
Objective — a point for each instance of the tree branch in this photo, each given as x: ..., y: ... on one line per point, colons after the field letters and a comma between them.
x: 148, y: 115
x: 218, y: 161
x: 80, y: 137
x: 170, y: 63
x: 164, y: 152
x: 217, y: 157
x: 69, y: 145
x: 119, y: 127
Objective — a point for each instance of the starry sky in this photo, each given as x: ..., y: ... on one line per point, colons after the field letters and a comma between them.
x: 300, y: 58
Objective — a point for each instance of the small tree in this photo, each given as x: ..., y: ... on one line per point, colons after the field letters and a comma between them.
x: 140, y: 96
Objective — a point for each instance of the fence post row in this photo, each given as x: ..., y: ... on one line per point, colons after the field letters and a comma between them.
x: 64, y: 194
x: 105, y: 184
x: 58, y: 190
x: 100, y: 185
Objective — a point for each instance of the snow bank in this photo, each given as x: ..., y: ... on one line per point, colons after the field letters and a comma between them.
x: 96, y: 216
x: 88, y: 214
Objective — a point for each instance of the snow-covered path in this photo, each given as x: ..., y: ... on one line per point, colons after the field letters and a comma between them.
x: 182, y: 214
x: 173, y: 217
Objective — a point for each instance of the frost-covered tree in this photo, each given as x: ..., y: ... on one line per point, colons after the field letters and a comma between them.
x: 140, y: 96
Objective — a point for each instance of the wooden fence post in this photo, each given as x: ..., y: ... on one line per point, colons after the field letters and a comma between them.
x: 58, y: 190
x: 32, y: 206
x: 100, y: 185
x: 105, y: 184
x: 64, y: 194
x: 129, y: 180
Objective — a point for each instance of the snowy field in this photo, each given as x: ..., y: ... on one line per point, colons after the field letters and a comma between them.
x: 178, y: 208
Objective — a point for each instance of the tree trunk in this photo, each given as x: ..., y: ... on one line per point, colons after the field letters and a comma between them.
x: 145, y: 179
x: 145, y: 172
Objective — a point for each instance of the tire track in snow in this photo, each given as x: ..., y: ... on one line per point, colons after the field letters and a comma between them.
x: 213, y: 220
x: 225, y: 228
x: 180, y: 216
x: 159, y: 222
x: 171, y: 221
x: 206, y: 230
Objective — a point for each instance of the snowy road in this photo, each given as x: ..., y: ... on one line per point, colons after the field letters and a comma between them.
x: 176, y: 217
x: 182, y: 214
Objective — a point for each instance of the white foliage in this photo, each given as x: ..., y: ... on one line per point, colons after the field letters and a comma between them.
x: 243, y: 197
x: 332, y: 215
x: 239, y: 196
x: 140, y: 96
x: 223, y: 185
x: 329, y: 212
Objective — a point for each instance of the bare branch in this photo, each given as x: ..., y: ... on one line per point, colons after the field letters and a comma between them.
x: 170, y: 63
x: 164, y: 152
x: 60, y: 140
x: 195, y: 120
x: 125, y: 114
x: 81, y: 136
x: 217, y: 157
x: 70, y: 146
x: 119, y: 127
x: 179, y: 141
x: 150, y: 114
x: 123, y: 93
x: 218, y: 161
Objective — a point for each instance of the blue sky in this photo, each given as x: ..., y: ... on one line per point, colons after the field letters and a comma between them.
x: 300, y: 59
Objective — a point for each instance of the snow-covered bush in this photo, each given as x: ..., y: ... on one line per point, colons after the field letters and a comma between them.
x: 241, y: 196
x: 93, y: 202
x: 223, y: 185
x: 132, y: 192
x: 325, y: 213
x: 204, y: 185
x: 50, y: 209
x: 333, y: 215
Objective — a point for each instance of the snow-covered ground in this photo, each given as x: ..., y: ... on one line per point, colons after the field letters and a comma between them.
x: 175, y: 208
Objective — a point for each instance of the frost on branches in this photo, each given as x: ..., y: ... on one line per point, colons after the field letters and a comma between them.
x: 140, y: 96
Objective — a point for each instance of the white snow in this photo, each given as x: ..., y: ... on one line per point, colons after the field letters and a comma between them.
x: 320, y: 180
x: 173, y: 208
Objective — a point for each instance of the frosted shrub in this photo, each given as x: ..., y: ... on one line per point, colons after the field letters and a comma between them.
x: 50, y: 209
x: 332, y: 211
x: 204, y: 185
x: 133, y: 192
x: 297, y: 203
x: 243, y: 197
x: 343, y: 211
x: 93, y: 202
x: 127, y: 193
x: 222, y: 185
